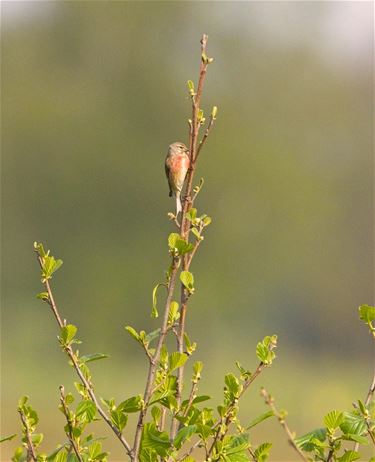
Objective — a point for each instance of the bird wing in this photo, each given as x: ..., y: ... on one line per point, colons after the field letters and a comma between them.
x: 167, y: 172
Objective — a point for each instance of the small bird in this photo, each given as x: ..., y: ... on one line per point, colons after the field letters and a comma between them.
x: 177, y: 164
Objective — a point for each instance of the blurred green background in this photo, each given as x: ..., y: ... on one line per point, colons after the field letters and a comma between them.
x: 92, y: 94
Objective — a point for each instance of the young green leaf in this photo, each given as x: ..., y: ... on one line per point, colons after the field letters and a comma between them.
x: 86, y: 411
x: 349, y: 456
x: 333, y: 420
x: 132, y: 332
x: 93, y: 357
x: 262, y: 452
x: 184, y: 435
x: 187, y: 280
x: 176, y: 360
x: 304, y: 442
x: 67, y: 333
x: 133, y: 404
x: 173, y: 314
x: 119, y: 419
x: 155, y: 440
x: 367, y: 313
x: 154, y: 312
x: 265, y: 349
x: 232, y: 385
x: 260, y: 419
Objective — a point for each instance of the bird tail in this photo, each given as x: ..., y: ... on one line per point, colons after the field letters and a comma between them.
x: 178, y: 203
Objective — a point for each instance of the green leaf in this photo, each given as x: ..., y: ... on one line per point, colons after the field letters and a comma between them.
x: 93, y: 357
x: 349, y: 456
x: 43, y: 296
x: 304, y: 441
x: 353, y: 424
x: 191, y: 214
x: 132, y: 332
x: 67, y: 333
x: 367, y: 313
x: 184, y: 435
x: 86, y: 410
x: 232, y: 384
x: 156, y: 414
x: 154, y: 312
x: 177, y: 360
x: 173, y: 314
x: 7, y: 438
x: 155, y: 440
x: 61, y: 456
x: 119, y: 419
x: 37, y: 439
x: 133, y: 404
x: 187, y: 280
x: 359, y: 439
x: 207, y: 221
x: 265, y: 349
x: 178, y: 245
x: 260, y: 419
x: 262, y: 452
x: 333, y: 420
x: 152, y: 336
x: 49, y: 266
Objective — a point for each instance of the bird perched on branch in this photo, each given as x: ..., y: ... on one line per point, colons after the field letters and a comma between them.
x: 177, y: 164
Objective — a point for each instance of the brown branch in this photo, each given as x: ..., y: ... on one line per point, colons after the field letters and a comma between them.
x: 269, y: 400
x: 154, y: 362
x: 69, y: 433
x: 185, y: 226
x: 31, y: 455
x: 69, y: 351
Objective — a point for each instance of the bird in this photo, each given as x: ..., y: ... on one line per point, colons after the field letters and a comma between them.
x: 177, y: 164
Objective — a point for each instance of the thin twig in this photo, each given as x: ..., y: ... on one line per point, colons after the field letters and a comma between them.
x: 68, y: 349
x: 31, y: 455
x: 205, y: 136
x: 369, y: 397
x: 193, y: 393
x: 269, y: 400
x: 69, y: 433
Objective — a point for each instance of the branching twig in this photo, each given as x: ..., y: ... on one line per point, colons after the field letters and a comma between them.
x: 31, y: 455
x: 228, y: 417
x: 68, y: 349
x: 69, y: 433
x: 281, y: 418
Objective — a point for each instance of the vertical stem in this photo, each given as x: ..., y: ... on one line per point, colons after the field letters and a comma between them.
x: 185, y: 227
x: 154, y: 363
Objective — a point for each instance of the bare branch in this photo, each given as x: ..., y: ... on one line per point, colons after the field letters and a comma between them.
x: 281, y: 418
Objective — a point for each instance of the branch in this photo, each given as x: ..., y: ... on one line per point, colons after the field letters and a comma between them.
x: 187, y: 204
x: 69, y: 433
x: 281, y: 418
x: 31, y: 455
x: 69, y: 351
x: 154, y: 362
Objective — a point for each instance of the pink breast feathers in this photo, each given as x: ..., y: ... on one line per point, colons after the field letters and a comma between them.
x: 180, y: 164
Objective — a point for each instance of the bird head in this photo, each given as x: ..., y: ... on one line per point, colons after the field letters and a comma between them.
x: 177, y: 148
